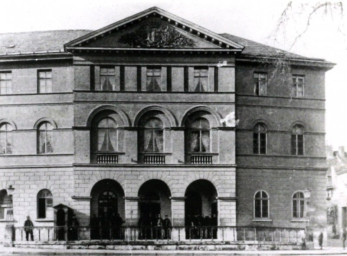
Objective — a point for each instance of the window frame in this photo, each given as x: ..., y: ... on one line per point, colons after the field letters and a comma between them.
x: 6, y: 81
x: 199, y: 76
x: 46, y: 131
x: 97, y: 129
x: 267, y: 199
x: 153, y: 73
x: 39, y: 79
x: 113, y: 76
x: 257, y: 79
x: 153, y: 131
x: 302, y: 215
x: 200, y: 132
x: 6, y: 208
x: 294, y: 138
x: 259, y: 139
x: 8, y: 137
x: 45, y: 199
x: 295, y: 84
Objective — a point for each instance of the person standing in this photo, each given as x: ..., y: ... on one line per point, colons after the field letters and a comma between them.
x: 344, y: 237
x: 167, y: 227
x: 320, y: 240
x: 28, y: 228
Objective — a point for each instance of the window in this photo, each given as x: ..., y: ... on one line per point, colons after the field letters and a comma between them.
x: 298, y: 86
x: 260, y: 84
x: 45, y: 81
x: 153, y: 83
x: 199, y: 136
x: 107, y: 79
x: 45, y: 138
x: 5, y: 83
x: 261, y: 205
x: 6, y: 206
x: 6, y: 138
x: 298, y: 205
x: 298, y: 140
x: 107, y: 135
x: 153, y: 135
x: 200, y: 79
x: 259, y: 139
x: 44, y: 203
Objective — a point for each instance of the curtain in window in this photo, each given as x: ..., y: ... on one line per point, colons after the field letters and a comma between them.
x: 6, y: 138
x: 199, y: 137
x: 297, y: 140
x: 153, y: 80
x: 200, y: 80
x: 260, y: 84
x: 107, y: 79
x: 153, y: 136
x: 107, y: 135
x: 298, y: 205
x: 45, y: 137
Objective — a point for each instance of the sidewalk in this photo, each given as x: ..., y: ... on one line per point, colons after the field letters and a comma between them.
x: 26, y: 251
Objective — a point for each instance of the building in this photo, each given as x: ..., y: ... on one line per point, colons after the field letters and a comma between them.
x: 336, y: 192
x: 138, y: 119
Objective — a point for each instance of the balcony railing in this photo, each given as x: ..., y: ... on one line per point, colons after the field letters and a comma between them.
x: 200, y: 158
x: 106, y: 158
x: 153, y: 158
x: 235, y: 234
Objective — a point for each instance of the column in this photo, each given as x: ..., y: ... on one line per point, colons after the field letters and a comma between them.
x: 227, y: 218
x: 178, y: 218
x: 131, y: 218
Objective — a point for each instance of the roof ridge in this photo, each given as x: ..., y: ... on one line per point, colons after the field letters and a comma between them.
x: 43, y: 31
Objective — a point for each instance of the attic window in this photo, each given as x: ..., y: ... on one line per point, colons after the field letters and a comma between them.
x: 107, y: 79
x: 200, y: 79
x: 153, y: 79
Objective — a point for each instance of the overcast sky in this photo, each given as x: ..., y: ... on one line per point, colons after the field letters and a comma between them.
x: 253, y: 19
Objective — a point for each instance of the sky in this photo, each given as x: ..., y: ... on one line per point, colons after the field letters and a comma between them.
x: 326, y: 36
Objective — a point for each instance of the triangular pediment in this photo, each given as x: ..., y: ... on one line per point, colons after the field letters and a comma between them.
x: 153, y: 28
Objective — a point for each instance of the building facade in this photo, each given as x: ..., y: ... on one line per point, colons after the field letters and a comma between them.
x: 138, y: 119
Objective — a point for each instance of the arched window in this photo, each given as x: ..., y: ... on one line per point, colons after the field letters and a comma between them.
x: 6, y: 138
x: 107, y: 135
x: 298, y: 205
x: 153, y: 136
x: 6, y: 206
x: 298, y: 140
x: 199, y: 136
x: 44, y: 203
x: 261, y: 205
x: 259, y: 139
x: 45, y: 138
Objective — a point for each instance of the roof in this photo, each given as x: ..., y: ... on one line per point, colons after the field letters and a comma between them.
x: 38, y: 41
x: 53, y: 41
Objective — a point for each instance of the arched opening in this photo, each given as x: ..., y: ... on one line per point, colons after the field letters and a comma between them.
x: 154, y: 210
x: 6, y: 205
x: 107, y: 210
x: 201, y: 212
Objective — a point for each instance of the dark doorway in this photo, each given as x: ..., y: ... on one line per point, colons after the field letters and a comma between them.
x: 201, y: 210
x: 60, y: 224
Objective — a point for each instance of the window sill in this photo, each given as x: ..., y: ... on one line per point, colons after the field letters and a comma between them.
x: 44, y: 220
x: 7, y: 221
x: 299, y: 220
x: 262, y: 220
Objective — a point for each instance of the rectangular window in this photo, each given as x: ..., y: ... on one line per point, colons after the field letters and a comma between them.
x: 107, y: 79
x: 5, y: 83
x: 200, y: 80
x: 153, y: 83
x: 45, y: 81
x: 298, y: 86
x: 260, y: 84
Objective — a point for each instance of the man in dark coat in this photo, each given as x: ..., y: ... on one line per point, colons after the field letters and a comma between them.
x: 167, y: 227
x: 28, y: 228
x: 344, y: 237
x: 320, y: 240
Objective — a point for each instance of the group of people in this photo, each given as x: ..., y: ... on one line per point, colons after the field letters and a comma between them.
x: 199, y: 227
x: 107, y: 227
x: 154, y: 227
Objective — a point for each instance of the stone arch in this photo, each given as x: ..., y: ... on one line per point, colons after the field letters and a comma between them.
x: 303, y: 124
x: 6, y: 121
x: 45, y: 119
x: 213, y: 117
x: 261, y: 121
x: 153, y: 176
x: 97, y: 176
x: 96, y: 111
x: 169, y: 120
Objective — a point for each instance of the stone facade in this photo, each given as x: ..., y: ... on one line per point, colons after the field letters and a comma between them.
x: 227, y: 164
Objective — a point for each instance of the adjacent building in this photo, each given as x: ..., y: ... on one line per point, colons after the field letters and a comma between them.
x: 156, y: 115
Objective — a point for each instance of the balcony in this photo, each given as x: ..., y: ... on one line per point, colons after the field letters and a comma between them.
x: 200, y: 158
x: 106, y: 158
x: 153, y: 158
